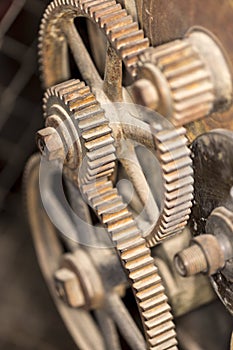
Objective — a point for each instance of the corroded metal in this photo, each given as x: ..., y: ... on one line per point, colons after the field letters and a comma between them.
x: 220, y: 223
x: 189, y: 85
x: 49, y: 251
x: 204, y: 255
x: 177, y: 183
x: 104, y: 198
x: 122, y: 32
x: 80, y: 122
x: 161, y: 21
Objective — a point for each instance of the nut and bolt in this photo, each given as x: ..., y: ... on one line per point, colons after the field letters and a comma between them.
x: 68, y: 287
x: 145, y: 93
x: 78, y: 282
x: 50, y: 144
x: 204, y: 255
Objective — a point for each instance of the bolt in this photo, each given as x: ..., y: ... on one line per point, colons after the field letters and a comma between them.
x: 68, y: 287
x: 145, y: 93
x: 50, y: 144
x: 204, y: 255
x: 190, y: 261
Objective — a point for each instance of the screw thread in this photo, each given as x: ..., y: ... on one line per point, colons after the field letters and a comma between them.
x: 191, y: 261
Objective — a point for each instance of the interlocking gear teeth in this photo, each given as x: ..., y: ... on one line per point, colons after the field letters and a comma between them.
x: 177, y: 175
x: 189, y: 82
x: 122, y: 32
x: 104, y: 198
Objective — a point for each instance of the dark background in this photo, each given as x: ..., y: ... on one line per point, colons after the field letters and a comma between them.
x: 28, y: 318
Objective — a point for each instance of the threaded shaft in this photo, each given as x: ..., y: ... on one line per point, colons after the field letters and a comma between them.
x: 191, y: 261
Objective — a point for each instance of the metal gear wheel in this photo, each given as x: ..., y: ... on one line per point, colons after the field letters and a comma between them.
x: 84, y: 112
x: 122, y: 32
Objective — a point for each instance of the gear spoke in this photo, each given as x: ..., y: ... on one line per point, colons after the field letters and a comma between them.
x: 128, y: 329
x: 134, y: 171
x: 113, y: 75
x: 83, y: 61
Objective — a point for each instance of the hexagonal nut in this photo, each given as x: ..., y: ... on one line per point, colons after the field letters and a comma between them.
x: 50, y: 144
x: 68, y: 288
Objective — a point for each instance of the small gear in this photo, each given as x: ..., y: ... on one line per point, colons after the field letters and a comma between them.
x: 186, y: 87
x: 147, y: 285
x: 190, y: 81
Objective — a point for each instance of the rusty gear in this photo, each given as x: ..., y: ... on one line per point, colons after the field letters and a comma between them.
x: 187, y: 91
x: 177, y: 174
x: 104, y: 198
x: 120, y: 29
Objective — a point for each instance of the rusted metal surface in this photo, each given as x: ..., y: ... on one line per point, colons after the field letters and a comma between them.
x: 213, y: 169
x: 220, y: 223
x: 212, y: 160
x: 69, y: 288
x: 204, y: 255
x: 190, y: 86
x: 91, y: 285
x: 50, y: 144
x: 49, y: 250
x: 184, y: 293
x: 105, y: 200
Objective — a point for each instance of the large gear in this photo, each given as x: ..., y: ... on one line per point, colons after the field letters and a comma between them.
x: 104, y: 198
x: 122, y: 32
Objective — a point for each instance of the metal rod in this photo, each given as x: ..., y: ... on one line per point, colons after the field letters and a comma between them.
x: 129, y: 160
x: 108, y: 329
x: 126, y: 325
x: 113, y: 75
x: 81, y: 55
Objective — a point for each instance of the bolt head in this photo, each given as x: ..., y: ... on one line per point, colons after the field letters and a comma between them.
x: 50, y: 144
x: 68, y: 288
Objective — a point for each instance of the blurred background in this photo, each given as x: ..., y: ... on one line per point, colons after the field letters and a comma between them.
x: 28, y: 317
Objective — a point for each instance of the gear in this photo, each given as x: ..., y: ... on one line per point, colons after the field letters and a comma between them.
x: 120, y: 29
x: 187, y: 81
x: 98, y: 189
x: 177, y: 173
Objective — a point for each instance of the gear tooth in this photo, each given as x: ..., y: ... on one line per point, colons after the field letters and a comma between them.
x: 113, y: 16
x: 121, y: 32
x: 124, y: 39
x: 118, y: 23
x: 88, y: 5
x: 105, y: 9
x: 133, y: 47
x: 163, y: 341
